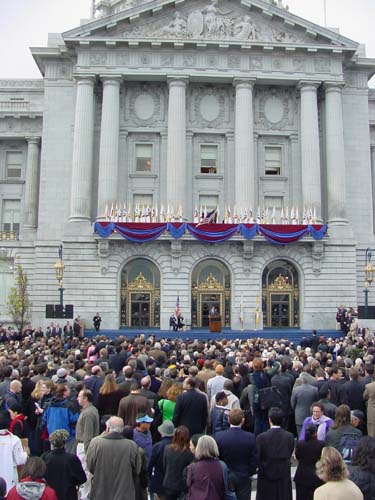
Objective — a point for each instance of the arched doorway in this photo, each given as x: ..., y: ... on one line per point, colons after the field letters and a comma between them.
x: 140, y: 295
x: 280, y: 295
x: 210, y: 288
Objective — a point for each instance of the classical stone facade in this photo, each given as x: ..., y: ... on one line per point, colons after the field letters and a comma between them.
x: 190, y: 103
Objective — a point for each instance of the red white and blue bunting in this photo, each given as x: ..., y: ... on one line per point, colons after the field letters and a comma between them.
x: 279, y: 234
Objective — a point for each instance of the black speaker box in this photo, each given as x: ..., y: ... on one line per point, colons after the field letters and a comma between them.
x: 50, y: 311
x: 370, y: 312
x: 69, y: 311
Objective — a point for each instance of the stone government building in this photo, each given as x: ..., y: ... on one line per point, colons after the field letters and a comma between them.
x: 189, y: 103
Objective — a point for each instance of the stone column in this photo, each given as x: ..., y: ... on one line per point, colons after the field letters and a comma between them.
x: 176, y: 154
x: 190, y: 207
x: 109, y: 145
x: 31, y: 185
x: 310, y: 148
x: 335, y: 154
x: 228, y: 172
x: 81, y: 190
x: 243, y: 145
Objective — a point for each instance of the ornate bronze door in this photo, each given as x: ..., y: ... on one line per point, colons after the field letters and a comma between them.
x: 280, y: 302
x: 140, y: 303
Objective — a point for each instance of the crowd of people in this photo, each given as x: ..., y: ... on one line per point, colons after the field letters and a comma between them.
x: 137, y: 418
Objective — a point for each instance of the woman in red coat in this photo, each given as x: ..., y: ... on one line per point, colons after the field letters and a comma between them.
x: 32, y: 484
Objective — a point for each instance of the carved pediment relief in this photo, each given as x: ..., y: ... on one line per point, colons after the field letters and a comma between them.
x: 210, y: 20
x: 227, y: 21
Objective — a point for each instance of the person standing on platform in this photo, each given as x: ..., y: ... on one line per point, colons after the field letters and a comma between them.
x: 97, y: 320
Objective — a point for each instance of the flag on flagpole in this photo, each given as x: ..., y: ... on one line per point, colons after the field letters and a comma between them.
x: 241, y: 314
x: 196, y: 215
x: 178, y: 305
x: 257, y: 314
x: 209, y: 218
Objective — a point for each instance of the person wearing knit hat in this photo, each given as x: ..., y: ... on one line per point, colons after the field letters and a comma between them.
x: 64, y: 470
x: 58, y: 438
x: 156, y: 463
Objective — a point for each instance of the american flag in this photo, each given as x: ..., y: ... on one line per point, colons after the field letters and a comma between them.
x: 178, y: 305
x: 210, y: 217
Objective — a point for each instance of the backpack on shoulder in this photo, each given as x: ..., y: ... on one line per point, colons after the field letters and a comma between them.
x: 347, y: 444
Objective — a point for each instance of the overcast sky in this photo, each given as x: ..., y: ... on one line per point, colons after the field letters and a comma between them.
x: 26, y: 23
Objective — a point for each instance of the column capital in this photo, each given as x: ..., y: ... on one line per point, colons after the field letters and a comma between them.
x: 332, y: 86
x: 111, y: 79
x: 32, y: 140
x: 245, y: 83
x: 177, y: 81
x: 308, y: 85
x: 88, y: 78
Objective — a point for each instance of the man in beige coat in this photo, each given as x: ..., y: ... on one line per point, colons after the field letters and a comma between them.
x: 369, y: 396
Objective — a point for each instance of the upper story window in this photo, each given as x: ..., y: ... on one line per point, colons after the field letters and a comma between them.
x: 208, y: 159
x: 208, y: 201
x: 143, y: 157
x: 6, y: 282
x: 272, y: 160
x: 10, y: 219
x: 142, y: 200
x: 13, y: 164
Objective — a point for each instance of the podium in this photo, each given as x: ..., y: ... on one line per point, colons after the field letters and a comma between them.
x: 215, y: 324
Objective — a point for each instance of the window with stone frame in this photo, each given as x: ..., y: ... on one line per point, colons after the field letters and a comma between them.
x: 208, y: 159
x: 273, y: 160
x: 143, y: 157
x: 6, y: 283
x: 13, y: 164
x: 208, y: 201
x: 142, y: 200
x: 10, y: 216
x: 273, y: 202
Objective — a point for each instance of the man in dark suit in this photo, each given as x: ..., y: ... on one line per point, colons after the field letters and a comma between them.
x: 191, y: 408
x: 336, y: 388
x: 284, y: 382
x: 354, y: 391
x: 274, y: 450
x: 237, y: 449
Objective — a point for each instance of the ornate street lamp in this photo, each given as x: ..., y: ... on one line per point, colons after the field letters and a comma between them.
x: 59, y: 268
x: 369, y: 276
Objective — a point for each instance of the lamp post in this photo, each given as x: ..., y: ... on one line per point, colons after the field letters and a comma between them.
x: 369, y: 276
x: 59, y: 268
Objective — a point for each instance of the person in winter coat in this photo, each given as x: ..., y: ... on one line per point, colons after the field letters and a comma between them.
x: 62, y: 413
x: 32, y: 485
x: 219, y: 413
x: 205, y: 478
x: 259, y: 379
x: 362, y: 468
x: 332, y: 470
x: 177, y: 456
x: 64, y: 470
x: 18, y: 425
x: 12, y: 453
x: 308, y: 452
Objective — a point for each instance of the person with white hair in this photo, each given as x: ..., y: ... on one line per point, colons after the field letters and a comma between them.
x: 205, y: 477
x: 108, y: 454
